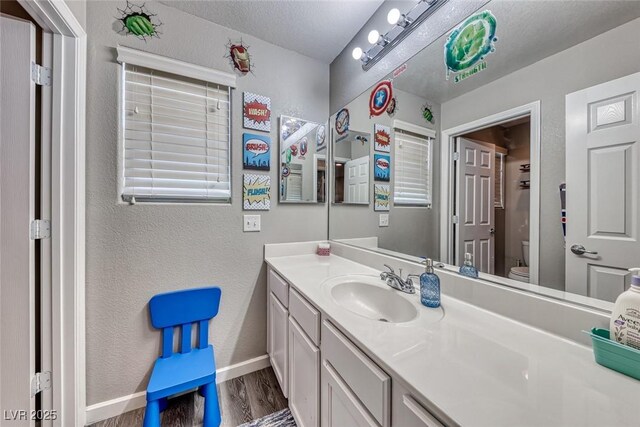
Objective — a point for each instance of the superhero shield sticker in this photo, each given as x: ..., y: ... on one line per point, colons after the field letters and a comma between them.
x: 380, y: 98
x: 468, y: 45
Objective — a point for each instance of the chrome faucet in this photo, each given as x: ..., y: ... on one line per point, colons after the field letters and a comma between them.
x: 397, y: 282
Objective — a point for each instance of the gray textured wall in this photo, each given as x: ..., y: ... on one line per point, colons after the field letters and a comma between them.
x: 412, y: 230
x: 611, y: 55
x: 79, y: 9
x: 134, y: 252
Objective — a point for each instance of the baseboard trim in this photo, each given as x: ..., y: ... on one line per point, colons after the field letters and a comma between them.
x: 120, y: 405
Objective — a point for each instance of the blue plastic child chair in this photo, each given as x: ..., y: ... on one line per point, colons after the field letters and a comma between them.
x: 192, y: 367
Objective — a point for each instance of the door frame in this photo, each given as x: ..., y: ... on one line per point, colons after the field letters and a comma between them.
x: 447, y: 180
x: 66, y: 142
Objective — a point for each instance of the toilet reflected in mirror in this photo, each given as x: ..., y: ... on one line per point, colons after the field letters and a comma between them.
x: 521, y: 273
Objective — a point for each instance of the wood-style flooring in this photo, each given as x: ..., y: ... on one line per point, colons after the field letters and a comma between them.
x: 242, y: 399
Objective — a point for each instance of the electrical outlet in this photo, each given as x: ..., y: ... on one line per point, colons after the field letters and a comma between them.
x: 384, y: 220
x: 251, y: 223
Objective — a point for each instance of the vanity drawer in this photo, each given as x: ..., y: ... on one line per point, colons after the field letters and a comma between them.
x: 279, y: 287
x: 408, y: 412
x: 305, y: 314
x: 368, y: 382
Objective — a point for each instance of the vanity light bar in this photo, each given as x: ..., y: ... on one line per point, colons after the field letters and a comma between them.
x: 405, y: 25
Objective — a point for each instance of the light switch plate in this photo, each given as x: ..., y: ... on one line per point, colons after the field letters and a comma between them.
x: 251, y: 223
x: 384, y: 220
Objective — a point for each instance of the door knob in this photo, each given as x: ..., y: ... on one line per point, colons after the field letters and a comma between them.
x: 580, y: 250
x: 492, y: 231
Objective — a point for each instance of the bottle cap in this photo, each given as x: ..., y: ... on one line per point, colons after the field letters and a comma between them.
x: 635, y: 279
x: 428, y: 265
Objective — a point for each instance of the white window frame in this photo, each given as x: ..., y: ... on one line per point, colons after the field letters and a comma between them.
x: 128, y: 56
x: 420, y: 132
x: 500, y: 163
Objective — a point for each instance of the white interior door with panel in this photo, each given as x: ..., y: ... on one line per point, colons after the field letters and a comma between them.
x: 603, y: 187
x: 475, y: 215
x: 17, y: 196
x: 356, y: 180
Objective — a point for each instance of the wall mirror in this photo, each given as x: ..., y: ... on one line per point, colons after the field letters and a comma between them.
x: 303, y: 160
x: 351, y: 168
x: 513, y: 137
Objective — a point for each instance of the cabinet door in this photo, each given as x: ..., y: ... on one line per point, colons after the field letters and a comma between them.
x: 340, y: 408
x: 408, y: 412
x: 304, y: 377
x: 279, y: 338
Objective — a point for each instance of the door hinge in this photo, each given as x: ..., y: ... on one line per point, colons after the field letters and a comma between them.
x: 456, y: 156
x: 40, y: 229
x: 40, y: 75
x: 41, y: 381
x: 454, y: 219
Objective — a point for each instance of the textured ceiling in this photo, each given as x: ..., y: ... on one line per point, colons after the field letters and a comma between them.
x: 527, y: 32
x: 319, y: 29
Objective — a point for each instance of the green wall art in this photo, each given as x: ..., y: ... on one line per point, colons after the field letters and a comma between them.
x: 468, y: 44
x: 427, y: 113
x: 138, y: 21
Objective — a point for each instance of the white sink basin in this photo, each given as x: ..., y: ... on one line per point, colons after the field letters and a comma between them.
x: 371, y: 298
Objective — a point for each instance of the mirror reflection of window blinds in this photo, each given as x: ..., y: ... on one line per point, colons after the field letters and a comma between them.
x: 499, y: 181
x: 412, y: 170
x: 294, y: 186
x: 176, y: 137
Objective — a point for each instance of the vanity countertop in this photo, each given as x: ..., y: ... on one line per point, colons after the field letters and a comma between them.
x: 479, y: 368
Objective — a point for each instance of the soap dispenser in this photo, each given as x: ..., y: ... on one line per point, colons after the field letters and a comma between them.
x: 468, y: 269
x: 429, y: 286
x: 625, y: 318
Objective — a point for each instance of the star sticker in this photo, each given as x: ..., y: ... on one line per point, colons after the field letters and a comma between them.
x: 380, y: 98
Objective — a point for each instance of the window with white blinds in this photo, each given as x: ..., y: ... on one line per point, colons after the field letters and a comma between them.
x: 413, y: 170
x: 176, y: 137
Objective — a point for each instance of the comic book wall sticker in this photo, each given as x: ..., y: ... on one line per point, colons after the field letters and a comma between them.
x: 239, y: 57
x: 382, y: 167
x: 427, y: 113
x: 256, y: 192
x: 392, y: 108
x: 342, y: 121
x: 382, y: 197
x: 256, y: 152
x: 256, y: 112
x: 382, y: 138
x: 321, y: 138
x: 380, y: 98
x: 468, y: 45
x: 304, y: 147
x: 138, y: 21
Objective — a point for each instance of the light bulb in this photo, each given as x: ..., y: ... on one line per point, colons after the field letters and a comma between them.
x: 373, y: 36
x: 357, y: 53
x: 393, y: 16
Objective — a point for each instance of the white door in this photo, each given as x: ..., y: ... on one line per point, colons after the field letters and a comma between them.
x: 17, y: 195
x: 304, y: 377
x: 356, y: 180
x: 340, y: 407
x: 603, y: 187
x: 278, y: 345
x: 474, y: 204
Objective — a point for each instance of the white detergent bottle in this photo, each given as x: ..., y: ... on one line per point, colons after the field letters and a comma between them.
x: 625, y: 319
